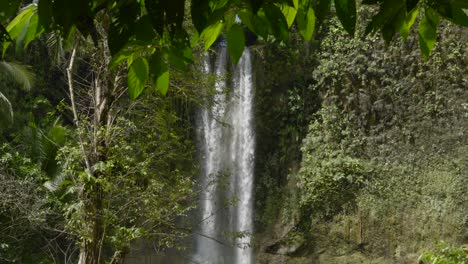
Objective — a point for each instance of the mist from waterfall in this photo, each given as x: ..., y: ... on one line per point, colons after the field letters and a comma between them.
x: 227, y: 140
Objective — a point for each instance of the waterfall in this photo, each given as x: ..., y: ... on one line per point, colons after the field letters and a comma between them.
x: 227, y: 145
x: 242, y: 154
x: 212, y: 144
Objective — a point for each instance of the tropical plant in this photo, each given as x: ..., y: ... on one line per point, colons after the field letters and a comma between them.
x: 150, y: 35
x: 18, y: 75
x: 331, y: 175
x: 445, y: 254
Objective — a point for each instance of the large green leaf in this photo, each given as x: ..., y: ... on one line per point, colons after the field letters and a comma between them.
x: 18, y: 26
x: 346, y: 11
x: 236, y: 42
x: 159, y: 74
x: 211, y: 33
x: 34, y: 30
x: 257, y: 23
x: 121, y: 56
x: 162, y: 82
x: 137, y: 77
x: 428, y: 32
x: 289, y: 13
x: 408, y: 23
x: 279, y: 25
x: 459, y: 16
x: 393, y: 25
x: 388, y: 10
x: 217, y: 4
x: 176, y: 57
x: 306, y: 22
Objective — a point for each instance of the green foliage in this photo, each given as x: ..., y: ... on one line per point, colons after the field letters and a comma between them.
x: 445, y: 254
x: 211, y: 33
x: 427, y: 32
x: 153, y: 25
x: 146, y: 178
x: 23, y: 214
x: 330, y: 176
x: 8, y: 9
x: 19, y: 73
x: 346, y: 11
x: 24, y: 28
x: 21, y: 76
x: 159, y: 73
x: 137, y: 77
x: 306, y: 22
x: 236, y: 42
x: 400, y: 121
x: 283, y: 106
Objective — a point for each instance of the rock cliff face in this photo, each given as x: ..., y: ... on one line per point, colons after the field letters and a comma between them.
x: 408, y: 121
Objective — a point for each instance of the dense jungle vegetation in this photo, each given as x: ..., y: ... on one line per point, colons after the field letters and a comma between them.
x: 362, y: 151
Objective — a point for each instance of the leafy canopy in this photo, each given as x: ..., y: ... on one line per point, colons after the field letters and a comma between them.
x: 151, y: 37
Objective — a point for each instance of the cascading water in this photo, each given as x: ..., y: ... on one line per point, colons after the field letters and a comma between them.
x: 242, y: 154
x: 227, y: 148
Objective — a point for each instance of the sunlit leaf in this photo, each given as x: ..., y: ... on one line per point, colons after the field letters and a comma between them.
x: 408, y: 23
x: 19, y: 24
x: 121, y: 56
x: 34, y: 30
x: 306, y: 22
x: 211, y: 33
x: 428, y: 32
x: 137, y: 77
x: 289, y: 13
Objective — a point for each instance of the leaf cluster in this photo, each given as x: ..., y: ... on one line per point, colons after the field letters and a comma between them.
x: 151, y: 37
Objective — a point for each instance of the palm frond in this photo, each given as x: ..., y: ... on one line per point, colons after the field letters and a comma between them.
x: 55, y: 47
x: 19, y: 73
x: 6, y: 110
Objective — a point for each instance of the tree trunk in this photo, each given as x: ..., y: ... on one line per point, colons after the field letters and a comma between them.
x: 94, y: 144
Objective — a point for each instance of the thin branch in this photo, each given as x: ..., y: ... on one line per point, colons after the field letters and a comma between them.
x: 70, y: 67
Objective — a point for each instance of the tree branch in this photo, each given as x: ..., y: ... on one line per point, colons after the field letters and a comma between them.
x: 71, y: 90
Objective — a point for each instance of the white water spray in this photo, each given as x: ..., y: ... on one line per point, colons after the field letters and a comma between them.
x: 242, y: 155
x: 227, y: 148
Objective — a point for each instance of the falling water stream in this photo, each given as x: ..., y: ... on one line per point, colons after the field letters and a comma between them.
x: 228, y: 141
